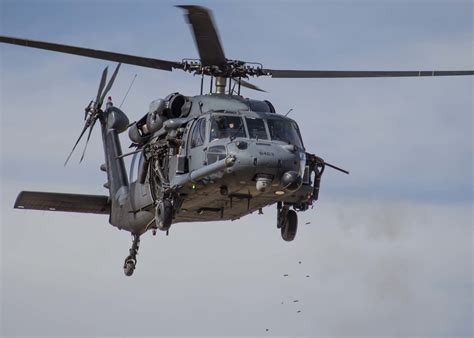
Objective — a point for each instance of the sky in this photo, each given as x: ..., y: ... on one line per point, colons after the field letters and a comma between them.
x: 388, y: 250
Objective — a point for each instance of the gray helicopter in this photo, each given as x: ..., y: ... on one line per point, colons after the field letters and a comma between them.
x: 213, y: 156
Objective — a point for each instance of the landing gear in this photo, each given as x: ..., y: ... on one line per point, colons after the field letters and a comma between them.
x: 287, y: 222
x: 129, y: 266
x: 288, y: 230
x: 131, y: 260
x: 164, y: 214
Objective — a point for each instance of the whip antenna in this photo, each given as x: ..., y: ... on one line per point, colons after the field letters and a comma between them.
x: 128, y: 90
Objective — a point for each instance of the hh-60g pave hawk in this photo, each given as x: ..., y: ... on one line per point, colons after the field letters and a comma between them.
x: 215, y: 156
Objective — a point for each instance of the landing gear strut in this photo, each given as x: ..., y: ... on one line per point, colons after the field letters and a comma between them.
x: 287, y: 222
x: 131, y: 260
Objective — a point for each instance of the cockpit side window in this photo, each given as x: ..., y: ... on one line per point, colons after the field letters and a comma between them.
x: 199, y: 133
x: 285, y: 130
x: 224, y: 126
x: 256, y: 128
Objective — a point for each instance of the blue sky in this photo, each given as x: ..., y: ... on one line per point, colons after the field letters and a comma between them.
x: 400, y: 225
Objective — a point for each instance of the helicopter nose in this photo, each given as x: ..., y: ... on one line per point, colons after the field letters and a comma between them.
x: 268, y: 164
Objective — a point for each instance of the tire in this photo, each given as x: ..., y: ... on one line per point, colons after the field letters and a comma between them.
x: 129, y: 267
x: 290, y: 226
x: 164, y: 215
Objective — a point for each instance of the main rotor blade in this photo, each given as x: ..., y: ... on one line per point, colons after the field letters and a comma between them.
x: 77, y: 142
x: 205, y: 35
x: 101, y: 86
x: 109, y: 85
x: 94, y: 53
x: 249, y: 85
x: 277, y: 73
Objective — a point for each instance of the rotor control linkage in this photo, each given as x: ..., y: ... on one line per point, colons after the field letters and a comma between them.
x: 131, y: 260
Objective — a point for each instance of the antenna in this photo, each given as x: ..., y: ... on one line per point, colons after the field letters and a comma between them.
x: 289, y: 111
x: 202, y: 82
x: 128, y: 90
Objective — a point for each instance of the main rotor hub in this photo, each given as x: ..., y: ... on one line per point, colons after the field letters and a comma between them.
x: 231, y: 69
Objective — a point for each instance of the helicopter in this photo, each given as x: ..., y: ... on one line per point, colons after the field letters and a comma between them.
x: 213, y: 156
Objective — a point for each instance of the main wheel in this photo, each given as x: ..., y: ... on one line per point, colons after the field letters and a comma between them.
x: 129, y: 266
x: 290, y: 225
x: 164, y: 214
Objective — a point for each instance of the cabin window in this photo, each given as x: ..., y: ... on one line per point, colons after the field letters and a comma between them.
x: 256, y: 128
x: 135, y: 167
x: 199, y: 133
x: 285, y: 130
x: 224, y: 126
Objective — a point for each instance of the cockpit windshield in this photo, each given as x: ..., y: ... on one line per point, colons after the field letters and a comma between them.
x: 224, y: 126
x: 284, y: 130
x: 256, y: 128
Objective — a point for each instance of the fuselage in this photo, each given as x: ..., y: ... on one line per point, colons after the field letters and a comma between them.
x: 269, y: 162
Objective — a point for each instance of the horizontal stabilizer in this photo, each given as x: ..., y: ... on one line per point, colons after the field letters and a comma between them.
x: 90, y: 204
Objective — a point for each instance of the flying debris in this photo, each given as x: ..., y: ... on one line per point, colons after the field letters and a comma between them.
x: 285, y: 275
x: 308, y: 223
x: 296, y: 301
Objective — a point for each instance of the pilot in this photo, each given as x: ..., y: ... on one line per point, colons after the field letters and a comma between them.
x: 220, y: 129
x: 226, y: 132
x: 214, y: 131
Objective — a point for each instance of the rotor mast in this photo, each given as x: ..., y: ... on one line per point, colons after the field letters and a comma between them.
x: 221, y: 83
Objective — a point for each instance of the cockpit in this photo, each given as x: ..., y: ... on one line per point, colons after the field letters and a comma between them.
x: 268, y: 146
x: 263, y: 127
x: 226, y: 126
x: 285, y: 130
